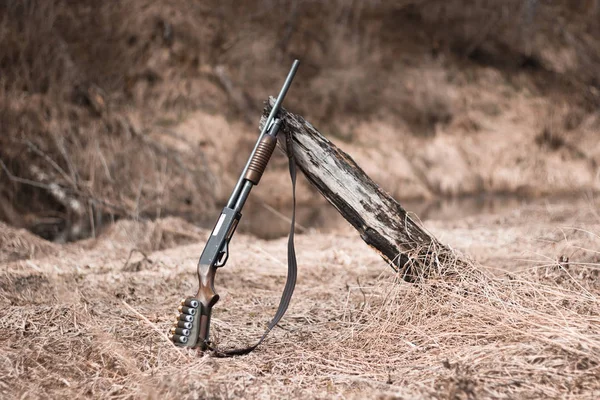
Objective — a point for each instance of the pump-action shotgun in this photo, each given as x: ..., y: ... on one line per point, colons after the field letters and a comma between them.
x: 193, y: 323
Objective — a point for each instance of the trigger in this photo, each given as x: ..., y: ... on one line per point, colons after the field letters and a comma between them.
x: 223, y: 256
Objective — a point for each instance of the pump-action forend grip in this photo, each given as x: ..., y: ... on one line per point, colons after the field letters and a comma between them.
x: 193, y: 324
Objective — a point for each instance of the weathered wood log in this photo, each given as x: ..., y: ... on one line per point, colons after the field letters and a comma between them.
x: 381, y: 221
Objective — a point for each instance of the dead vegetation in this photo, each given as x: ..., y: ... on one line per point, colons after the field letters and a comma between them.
x: 92, y: 95
x: 19, y: 244
x: 91, y: 328
x: 72, y: 159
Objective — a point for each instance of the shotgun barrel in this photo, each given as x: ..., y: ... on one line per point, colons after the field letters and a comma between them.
x: 265, y: 129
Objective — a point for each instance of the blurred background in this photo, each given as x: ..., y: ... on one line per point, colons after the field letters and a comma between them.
x: 143, y: 109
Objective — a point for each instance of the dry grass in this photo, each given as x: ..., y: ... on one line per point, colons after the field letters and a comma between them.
x: 88, y: 319
x: 74, y: 152
x: 92, y: 327
x: 91, y: 94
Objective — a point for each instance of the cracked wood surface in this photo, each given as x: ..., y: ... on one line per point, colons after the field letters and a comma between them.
x: 381, y: 221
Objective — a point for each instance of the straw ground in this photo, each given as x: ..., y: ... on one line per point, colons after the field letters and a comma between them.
x: 89, y: 319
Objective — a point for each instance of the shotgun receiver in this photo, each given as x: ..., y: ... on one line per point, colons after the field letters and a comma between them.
x: 192, y: 326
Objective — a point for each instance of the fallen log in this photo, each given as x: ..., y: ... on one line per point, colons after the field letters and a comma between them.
x: 381, y: 221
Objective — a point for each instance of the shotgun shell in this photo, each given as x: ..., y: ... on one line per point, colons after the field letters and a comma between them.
x: 186, y: 317
x: 184, y: 325
x: 191, y: 303
x: 180, y: 331
x: 179, y: 339
x: 187, y: 310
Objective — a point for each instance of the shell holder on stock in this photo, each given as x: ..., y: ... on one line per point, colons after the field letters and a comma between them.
x: 183, y: 331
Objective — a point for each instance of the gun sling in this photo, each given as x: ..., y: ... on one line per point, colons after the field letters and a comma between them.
x: 292, y: 272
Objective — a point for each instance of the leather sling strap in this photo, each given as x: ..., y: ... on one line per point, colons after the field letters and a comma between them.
x: 292, y: 272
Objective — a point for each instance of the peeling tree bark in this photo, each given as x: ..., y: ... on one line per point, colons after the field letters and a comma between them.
x: 381, y: 221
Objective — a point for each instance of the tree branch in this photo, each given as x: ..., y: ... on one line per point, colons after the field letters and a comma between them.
x: 381, y: 221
